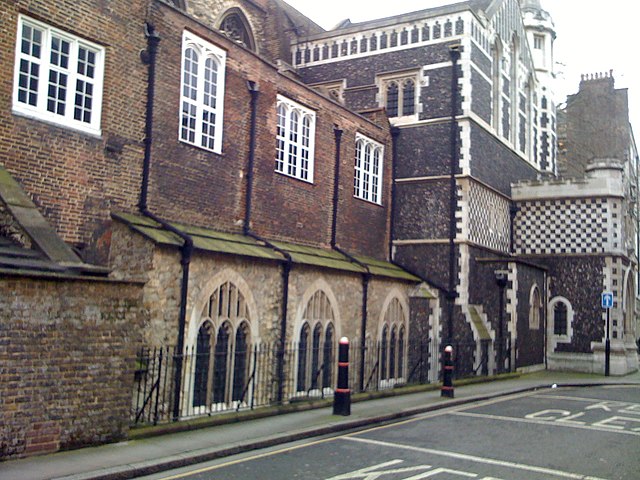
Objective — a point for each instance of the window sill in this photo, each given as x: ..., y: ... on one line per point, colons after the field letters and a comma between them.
x: 91, y: 132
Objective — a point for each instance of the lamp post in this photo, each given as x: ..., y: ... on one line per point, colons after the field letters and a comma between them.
x: 501, y: 281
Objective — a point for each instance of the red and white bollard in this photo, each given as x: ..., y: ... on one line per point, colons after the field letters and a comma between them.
x: 342, y: 396
x: 447, y: 373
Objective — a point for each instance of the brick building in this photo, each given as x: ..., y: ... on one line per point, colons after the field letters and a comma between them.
x: 252, y: 188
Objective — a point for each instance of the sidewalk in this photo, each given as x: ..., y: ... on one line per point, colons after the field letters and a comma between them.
x: 150, y: 455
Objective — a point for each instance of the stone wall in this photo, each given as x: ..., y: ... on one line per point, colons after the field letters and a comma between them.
x: 67, y: 350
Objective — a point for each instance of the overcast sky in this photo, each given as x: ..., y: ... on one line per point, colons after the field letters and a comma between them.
x: 592, y: 36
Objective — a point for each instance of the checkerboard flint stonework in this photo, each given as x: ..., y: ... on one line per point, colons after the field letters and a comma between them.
x: 567, y: 226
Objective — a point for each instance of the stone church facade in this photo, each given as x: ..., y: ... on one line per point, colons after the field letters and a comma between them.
x: 231, y: 182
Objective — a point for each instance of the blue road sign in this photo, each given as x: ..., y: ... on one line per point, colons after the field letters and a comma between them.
x: 607, y: 299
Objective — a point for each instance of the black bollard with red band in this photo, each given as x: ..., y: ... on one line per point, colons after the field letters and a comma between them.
x: 447, y: 373
x: 342, y: 397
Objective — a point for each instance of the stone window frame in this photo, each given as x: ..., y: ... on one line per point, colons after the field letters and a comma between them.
x: 393, y: 350
x: 316, y: 347
x: 295, y: 139
x: 568, y: 335
x: 224, y: 324
x: 401, y: 81
x: 202, y: 88
x: 535, y: 308
x: 44, y: 53
x: 368, y: 169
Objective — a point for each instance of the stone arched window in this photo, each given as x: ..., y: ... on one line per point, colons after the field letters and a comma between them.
x: 535, y: 308
x: 559, y: 322
x: 316, y: 346
x: 234, y: 25
x: 222, y: 352
x: 393, y: 352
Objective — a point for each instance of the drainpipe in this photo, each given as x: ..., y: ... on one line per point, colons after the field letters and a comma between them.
x: 246, y: 230
x: 366, y: 276
x: 454, y: 52
x: 395, y: 133
x: 186, y: 250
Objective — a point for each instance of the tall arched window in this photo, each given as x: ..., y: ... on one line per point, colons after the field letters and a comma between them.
x: 202, y: 365
x: 408, y: 97
x: 393, y: 345
x: 384, y: 347
x: 221, y: 363
x: 295, y: 139
x: 393, y: 96
x: 560, y: 323
x: 303, y: 351
x: 222, y: 352
x: 241, y: 362
x: 316, y: 347
x: 535, y: 309
x: 202, y: 93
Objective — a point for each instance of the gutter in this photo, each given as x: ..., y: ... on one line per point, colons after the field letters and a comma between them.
x: 149, y: 58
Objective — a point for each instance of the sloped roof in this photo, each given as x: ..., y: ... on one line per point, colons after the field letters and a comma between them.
x: 209, y: 240
x: 27, y: 242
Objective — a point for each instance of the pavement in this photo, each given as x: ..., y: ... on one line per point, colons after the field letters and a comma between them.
x: 157, y: 453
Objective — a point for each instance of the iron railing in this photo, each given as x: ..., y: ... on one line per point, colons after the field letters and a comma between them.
x: 230, y: 378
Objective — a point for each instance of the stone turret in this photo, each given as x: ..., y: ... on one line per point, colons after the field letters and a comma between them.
x: 541, y: 34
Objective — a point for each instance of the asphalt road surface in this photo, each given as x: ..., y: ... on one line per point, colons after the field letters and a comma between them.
x: 569, y: 433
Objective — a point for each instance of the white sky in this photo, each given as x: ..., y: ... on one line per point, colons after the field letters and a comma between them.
x: 592, y: 36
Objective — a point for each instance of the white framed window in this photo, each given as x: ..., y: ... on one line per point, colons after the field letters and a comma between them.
x: 559, y: 322
x: 202, y: 93
x: 58, y: 77
x: 367, y: 179
x: 295, y: 139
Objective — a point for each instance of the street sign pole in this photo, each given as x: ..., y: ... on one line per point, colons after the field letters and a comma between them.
x: 607, y: 302
x: 607, y: 347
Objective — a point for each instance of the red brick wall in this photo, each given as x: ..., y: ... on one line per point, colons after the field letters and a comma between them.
x: 77, y: 179
x: 67, y: 350
x: 73, y: 177
x: 193, y: 185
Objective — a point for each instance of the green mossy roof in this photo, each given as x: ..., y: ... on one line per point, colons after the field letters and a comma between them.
x: 236, y: 244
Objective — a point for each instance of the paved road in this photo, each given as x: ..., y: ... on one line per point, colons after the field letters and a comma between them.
x: 571, y: 433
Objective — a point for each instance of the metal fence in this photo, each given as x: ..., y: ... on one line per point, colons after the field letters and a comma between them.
x: 170, y: 385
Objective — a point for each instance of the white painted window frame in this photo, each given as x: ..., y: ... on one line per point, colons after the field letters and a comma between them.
x: 41, y: 81
x: 368, y: 169
x: 196, y: 99
x: 295, y: 139
x: 555, y: 339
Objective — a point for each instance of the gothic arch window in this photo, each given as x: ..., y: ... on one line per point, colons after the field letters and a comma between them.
x: 316, y: 347
x: 235, y: 26
x: 535, y: 308
x: 392, y: 347
x: 398, y: 94
x: 202, y: 93
x: 222, y: 352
